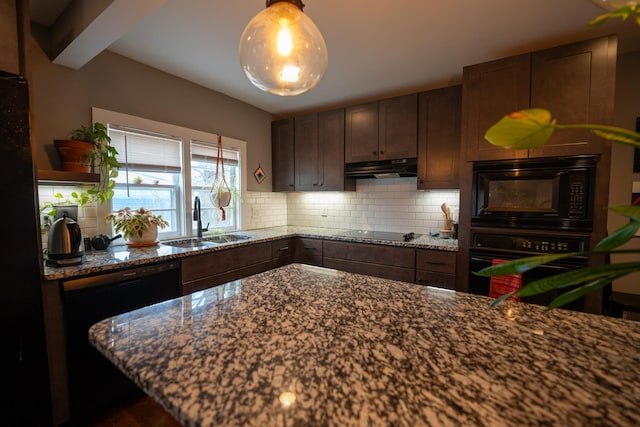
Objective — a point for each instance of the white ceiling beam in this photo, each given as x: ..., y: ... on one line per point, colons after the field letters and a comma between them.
x: 87, y: 27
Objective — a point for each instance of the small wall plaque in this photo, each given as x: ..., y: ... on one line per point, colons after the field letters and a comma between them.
x: 259, y: 174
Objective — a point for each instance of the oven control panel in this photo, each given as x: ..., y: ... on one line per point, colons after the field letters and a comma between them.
x: 550, y: 244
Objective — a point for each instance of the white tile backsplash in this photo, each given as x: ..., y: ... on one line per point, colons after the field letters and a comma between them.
x: 262, y: 210
x: 390, y: 204
x: 87, y: 214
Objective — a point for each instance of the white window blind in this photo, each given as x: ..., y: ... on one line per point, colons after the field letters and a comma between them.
x: 208, y: 152
x: 146, y: 151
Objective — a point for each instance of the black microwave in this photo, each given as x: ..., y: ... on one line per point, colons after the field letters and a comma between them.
x: 541, y: 193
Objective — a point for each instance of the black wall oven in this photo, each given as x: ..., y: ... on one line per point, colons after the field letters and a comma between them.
x: 487, y: 245
x: 541, y: 193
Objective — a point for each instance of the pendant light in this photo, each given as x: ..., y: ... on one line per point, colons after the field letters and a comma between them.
x: 614, y: 4
x: 282, y: 51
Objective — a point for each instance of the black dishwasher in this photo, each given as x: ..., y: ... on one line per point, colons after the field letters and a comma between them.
x: 95, y: 384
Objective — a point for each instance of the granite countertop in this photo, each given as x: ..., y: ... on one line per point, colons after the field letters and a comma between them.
x: 117, y: 257
x: 302, y: 345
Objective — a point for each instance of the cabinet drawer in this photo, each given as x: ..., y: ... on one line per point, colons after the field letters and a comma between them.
x: 439, y: 280
x: 199, y: 266
x: 374, y: 254
x: 439, y: 261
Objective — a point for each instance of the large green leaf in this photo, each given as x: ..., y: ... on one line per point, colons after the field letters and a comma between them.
x: 577, y: 293
x: 523, y: 264
x: 618, y: 237
x: 631, y: 211
x: 623, y: 138
x: 522, y: 129
x: 577, y: 277
x: 623, y: 13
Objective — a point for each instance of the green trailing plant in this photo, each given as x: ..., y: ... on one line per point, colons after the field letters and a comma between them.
x: 104, y: 159
x: 80, y: 199
x: 531, y: 129
x: 133, y: 223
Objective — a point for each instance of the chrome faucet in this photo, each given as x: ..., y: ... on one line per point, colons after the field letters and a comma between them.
x: 197, y: 215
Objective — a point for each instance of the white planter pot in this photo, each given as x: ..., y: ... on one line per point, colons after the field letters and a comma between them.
x: 150, y: 235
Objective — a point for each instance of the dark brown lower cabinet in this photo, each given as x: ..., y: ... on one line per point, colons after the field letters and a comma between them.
x: 421, y: 266
x: 436, y: 268
x: 282, y: 252
x: 388, y: 262
x: 214, y: 268
x: 308, y: 251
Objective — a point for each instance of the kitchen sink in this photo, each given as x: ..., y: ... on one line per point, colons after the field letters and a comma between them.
x: 203, y: 242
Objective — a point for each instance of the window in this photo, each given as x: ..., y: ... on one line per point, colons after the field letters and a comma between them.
x: 204, y: 164
x: 164, y: 167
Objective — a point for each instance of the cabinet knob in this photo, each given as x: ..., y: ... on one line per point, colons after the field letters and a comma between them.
x: 375, y: 153
x: 381, y: 152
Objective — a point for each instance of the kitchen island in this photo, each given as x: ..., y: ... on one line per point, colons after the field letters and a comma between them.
x: 302, y: 345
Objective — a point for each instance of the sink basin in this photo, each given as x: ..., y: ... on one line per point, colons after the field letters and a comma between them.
x: 226, y: 238
x: 189, y: 243
x: 203, y: 242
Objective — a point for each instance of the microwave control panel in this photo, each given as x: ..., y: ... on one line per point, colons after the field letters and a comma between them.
x: 577, y: 196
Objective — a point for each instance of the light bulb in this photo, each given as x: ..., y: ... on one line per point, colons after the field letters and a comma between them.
x: 614, y: 4
x: 282, y: 51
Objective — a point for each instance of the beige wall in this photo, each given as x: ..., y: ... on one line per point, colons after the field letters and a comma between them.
x: 62, y: 100
x: 627, y: 108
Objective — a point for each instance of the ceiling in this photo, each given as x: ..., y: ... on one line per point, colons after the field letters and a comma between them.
x: 376, y: 48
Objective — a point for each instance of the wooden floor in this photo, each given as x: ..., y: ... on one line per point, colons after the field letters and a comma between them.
x: 144, y: 412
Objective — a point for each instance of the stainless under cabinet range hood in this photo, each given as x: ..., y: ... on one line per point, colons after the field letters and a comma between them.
x: 382, y: 168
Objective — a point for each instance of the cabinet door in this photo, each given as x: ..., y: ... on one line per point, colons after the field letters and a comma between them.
x: 331, y: 152
x: 576, y: 83
x: 439, y: 138
x: 306, y: 153
x: 361, y: 133
x: 308, y: 251
x: 282, y: 148
x: 398, y: 127
x: 282, y: 252
x: 492, y: 90
x: 217, y: 262
x: 389, y: 262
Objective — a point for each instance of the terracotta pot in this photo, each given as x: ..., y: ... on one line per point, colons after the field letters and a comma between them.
x: 74, y: 155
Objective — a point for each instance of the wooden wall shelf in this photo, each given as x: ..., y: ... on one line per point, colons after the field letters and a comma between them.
x: 64, y: 177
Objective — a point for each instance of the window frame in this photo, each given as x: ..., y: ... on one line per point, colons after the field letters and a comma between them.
x: 185, y: 207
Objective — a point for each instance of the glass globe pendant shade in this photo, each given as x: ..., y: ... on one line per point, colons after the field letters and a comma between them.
x: 614, y: 4
x: 282, y: 51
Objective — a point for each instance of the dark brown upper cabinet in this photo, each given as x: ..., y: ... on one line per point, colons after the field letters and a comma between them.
x: 575, y: 82
x: 319, y: 152
x: 282, y: 152
x: 382, y: 130
x: 439, y: 116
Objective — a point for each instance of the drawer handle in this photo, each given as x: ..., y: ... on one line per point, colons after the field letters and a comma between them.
x: 285, y: 248
x: 435, y: 263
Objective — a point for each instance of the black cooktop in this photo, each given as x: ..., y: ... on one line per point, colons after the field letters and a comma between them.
x: 381, y: 235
